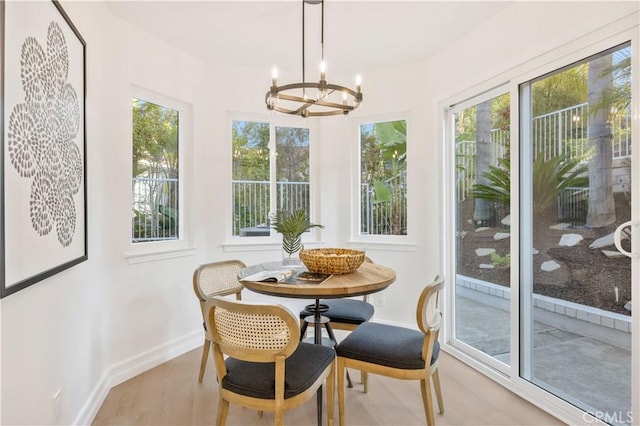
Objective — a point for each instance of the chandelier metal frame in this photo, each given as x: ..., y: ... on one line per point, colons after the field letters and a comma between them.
x: 321, y: 106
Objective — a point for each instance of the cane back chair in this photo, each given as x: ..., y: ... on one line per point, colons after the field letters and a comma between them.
x: 267, y: 368
x: 215, y: 279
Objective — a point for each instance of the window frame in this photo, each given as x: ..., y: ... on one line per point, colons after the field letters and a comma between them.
x: 273, y: 241
x: 182, y: 246
x: 383, y: 240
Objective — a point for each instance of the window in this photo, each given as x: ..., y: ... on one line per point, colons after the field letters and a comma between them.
x: 262, y: 183
x: 383, y: 178
x: 155, y: 181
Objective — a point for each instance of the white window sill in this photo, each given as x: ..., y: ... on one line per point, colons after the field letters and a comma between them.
x: 153, y: 256
x: 240, y: 246
x: 408, y: 245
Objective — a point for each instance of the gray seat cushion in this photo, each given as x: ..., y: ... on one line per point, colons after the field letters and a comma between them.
x: 257, y: 379
x: 387, y: 345
x: 348, y: 311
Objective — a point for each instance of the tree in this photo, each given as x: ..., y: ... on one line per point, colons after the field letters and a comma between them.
x: 601, y: 208
x: 292, y: 164
x: 482, y: 211
x: 250, y: 143
x: 155, y: 140
x: 559, y: 91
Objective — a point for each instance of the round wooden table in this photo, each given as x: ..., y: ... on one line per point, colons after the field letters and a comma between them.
x: 368, y: 278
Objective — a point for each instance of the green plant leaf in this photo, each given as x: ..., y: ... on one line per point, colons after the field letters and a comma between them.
x: 382, y: 192
x: 292, y: 225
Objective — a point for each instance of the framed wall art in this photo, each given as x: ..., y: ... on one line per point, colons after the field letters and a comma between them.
x: 43, y: 215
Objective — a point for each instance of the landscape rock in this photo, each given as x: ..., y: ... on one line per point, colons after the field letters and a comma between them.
x: 627, y: 306
x: 605, y: 241
x: 570, y: 240
x: 613, y: 254
x: 560, y: 226
x: 486, y: 266
x: 484, y: 251
x: 506, y: 221
x: 482, y: 228
x: 501, y: 235
x: 550, y: 266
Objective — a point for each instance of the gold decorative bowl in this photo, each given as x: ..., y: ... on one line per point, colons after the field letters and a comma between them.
x: 332, y: 260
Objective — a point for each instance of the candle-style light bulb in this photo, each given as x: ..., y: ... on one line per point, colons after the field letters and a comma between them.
x: 323, y: 70
x: 344, y: 98
x: 274, y: 76
x: 358, y: 82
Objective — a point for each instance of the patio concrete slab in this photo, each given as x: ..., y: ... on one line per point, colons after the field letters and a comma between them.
x: 582, y: 370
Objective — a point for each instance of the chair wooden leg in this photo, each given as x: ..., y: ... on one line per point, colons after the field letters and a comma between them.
x: 364, y: 378
x: 340, y: 373
x: 331, y: 386
x: 203, y: 362
x: 436, y: 385
x: 279, y: 417
x: 223, y: 411
x: 427, y: 400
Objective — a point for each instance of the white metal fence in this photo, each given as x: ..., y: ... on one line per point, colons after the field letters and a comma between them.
x: 389, y: 218
x: 155, y: 209
x: 562, y: 132
x: 251, y: 204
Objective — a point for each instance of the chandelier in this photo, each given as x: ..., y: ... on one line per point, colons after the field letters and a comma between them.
x: 311, y: 99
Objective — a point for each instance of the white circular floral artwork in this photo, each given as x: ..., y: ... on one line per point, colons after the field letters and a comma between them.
x: 41, y: 133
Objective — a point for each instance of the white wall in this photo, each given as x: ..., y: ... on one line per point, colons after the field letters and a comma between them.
x: 105, y: 320
x: 76, y: 329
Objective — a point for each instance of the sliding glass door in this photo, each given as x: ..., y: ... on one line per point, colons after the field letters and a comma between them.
x: 575, y: 286
x: 544, y: 215
x: 481, y: 132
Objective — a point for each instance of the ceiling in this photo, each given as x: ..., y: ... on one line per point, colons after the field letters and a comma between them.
x: 358, y: 35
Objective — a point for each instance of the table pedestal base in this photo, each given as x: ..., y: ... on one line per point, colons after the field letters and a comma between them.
x: 318, y: 320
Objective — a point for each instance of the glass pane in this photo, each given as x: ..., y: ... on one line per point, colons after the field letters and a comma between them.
x: 383, y: 178
x: 292, y: 169
x: 250, y: 181
x: 155, y: 172
x: 575, y: 284
x: 482, y: 227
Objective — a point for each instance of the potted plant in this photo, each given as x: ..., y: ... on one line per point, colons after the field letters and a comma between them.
x: 292, y: 225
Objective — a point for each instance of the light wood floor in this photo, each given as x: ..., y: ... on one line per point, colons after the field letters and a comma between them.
x: 171, y: 395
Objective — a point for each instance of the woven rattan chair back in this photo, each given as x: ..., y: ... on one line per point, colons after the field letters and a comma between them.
x: 210, y: 280
x: 217, y: 279
x: 252, y: 332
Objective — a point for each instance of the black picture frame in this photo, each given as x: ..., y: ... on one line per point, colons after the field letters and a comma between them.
x: 43, y: 167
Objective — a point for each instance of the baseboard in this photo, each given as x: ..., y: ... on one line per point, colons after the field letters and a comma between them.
x: 129, y: 368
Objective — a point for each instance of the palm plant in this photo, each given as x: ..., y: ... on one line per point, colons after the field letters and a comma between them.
x: 292, y: 225
x: 550, y: 178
